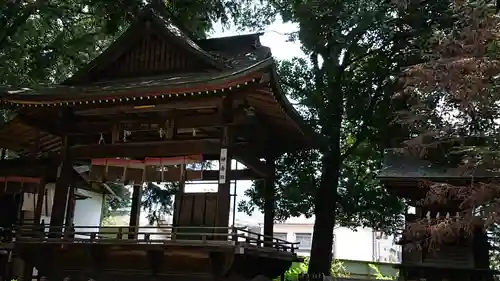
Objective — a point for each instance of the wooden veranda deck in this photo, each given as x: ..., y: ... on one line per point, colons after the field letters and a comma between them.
x: 94, y: 252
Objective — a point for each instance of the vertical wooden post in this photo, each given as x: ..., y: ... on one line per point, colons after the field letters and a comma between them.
x: 170, y: 133
x: 41, y: 185
x: 28, y: 270
x: 170, y: 128
x: 3, y: 267
x: 224, y: 188
x: 269, y: 201
x: 63, y: 183
x: 36, y: 145
x: 70, y: 208
x: 103, y: 206
x: 39, y: 200
x: 135, y: 211
x: 178, y: 197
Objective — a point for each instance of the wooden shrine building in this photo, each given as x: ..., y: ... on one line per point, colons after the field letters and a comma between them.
x: 149, y: 108
x: 464, y: 259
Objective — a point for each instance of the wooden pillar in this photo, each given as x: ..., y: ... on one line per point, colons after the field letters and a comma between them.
x: 64, y: 180
x: 28, y: 270
x: 70, y: 201
x: 70, y: 208
x: 178, y: 197
x: 224, y: 188
x: 269, y: 201
x: 3, y: 267
x: 28, y: 263
x: 135, y: 211
x: 62, y: 189
x: 41, y: 186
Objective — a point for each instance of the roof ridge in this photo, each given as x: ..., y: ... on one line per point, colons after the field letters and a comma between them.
x: 188, y: 42
x: 163, y: 26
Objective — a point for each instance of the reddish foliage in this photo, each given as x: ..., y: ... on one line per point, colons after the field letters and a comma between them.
x: 453, y: 96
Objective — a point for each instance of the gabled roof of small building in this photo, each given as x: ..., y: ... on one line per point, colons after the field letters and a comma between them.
x: 401, y: 166
x: 155, y: 62
x: 132, y: 43
x: 153, y: 53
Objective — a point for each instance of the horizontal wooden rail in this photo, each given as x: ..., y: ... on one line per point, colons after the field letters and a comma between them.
x: 148, y: 235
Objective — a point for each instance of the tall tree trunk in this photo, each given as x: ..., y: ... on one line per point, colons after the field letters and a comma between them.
x: 326, y: 198
x: 325, y: 206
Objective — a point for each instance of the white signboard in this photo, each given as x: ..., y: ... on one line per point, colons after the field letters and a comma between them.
x: 223, y: 165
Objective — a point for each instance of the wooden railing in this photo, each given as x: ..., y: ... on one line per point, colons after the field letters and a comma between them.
x: 185, y: 235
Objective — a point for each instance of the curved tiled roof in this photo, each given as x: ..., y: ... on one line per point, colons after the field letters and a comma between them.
x: 246, y: 63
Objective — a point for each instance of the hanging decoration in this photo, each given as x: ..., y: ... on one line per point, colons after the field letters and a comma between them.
x: 19, y: 184
x: 148, y: 170
x: 126, y: 134
x: 101, y: 140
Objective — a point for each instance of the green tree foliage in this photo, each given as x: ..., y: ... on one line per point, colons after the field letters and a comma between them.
x: 157, y: 200
x: 47, y: 41
x: 379, y: 275
x: 297, y: 269
x: 121, y: 201
x: 355, y: 51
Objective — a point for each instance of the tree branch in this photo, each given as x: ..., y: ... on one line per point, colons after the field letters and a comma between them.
x: 18, y: 22
x: 363, y: 131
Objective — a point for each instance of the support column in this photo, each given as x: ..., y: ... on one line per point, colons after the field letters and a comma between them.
x: 70, y: 208
x: 41, y: 186
x: 28, y: 269
x: 64, y: 180
x: 29, y: 263
x: 224, y: 188
x: 269, y: 202
x: 39, y: 201
x: 135, y: 211
x: 62, y: 189
x: 178, y: 198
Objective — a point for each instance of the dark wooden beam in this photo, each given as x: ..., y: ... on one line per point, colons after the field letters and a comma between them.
x: 135, y: 211
x: 146, y: 149
x: 252, y: 162
x: 18, y: 164
x: 49, y: 127
x: 39, y: 201
x: 269, y: 200
x: 226, y: 147
x: 239, y: 175
x: 151, y: 105
x: 194, y: 121
x: 64, y: 182
x: 98, y: 257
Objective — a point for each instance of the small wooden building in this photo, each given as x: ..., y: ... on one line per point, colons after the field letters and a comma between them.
x: 149, y: 108
x: 464, y: 259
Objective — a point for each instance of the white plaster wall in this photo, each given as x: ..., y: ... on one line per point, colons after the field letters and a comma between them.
x: 30, y: 199
x: 88, y: 211
x: 348, y: 244
x: 354, y: 245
